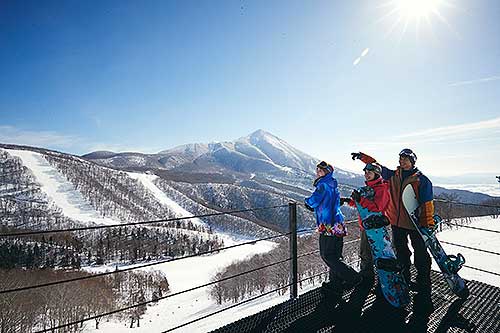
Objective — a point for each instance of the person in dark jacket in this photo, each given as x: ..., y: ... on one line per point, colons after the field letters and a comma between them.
x: 402, y: 227
x: 325, y: 202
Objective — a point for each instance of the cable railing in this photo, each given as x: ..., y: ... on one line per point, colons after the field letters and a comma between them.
x: 228, y: 308
x: 168, y: 296
x: 471, y: 227
x: 107, y: 226
x: 448, y: 201
x: 252, y: 299
x: 471, y: 248
x: 294, y: 281
x: 138, y: 266
x: 466, y: 203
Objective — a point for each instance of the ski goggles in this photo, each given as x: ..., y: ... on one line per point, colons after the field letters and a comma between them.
x: 408, y: 153
x: 373, y: 168
x: 324, y: 166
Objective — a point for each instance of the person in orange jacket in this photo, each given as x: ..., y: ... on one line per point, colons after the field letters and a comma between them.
x: 402, y: 227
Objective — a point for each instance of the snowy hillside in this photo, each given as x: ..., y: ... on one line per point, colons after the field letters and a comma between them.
x: 89, y: 193
x: 182, y: 275
x: 59, y: 189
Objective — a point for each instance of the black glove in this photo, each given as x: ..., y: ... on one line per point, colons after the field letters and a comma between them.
x: 356, y: 196
x: 355, y: 156
x: 308, y: 207
x: 344, y: 200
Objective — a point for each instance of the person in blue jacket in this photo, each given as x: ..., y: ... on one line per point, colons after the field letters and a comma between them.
x: 325, y: 202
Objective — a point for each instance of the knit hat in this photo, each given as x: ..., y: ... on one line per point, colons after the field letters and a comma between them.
x: 325, y: 166
x: 407, y: 152
x: 374, y: 167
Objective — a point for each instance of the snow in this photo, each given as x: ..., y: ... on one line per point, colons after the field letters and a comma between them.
x: 490, y: 189
x: 282, y: 146
x: 276, y: 143
x: 478, y: 239
x: 148, y: 182
x: 59, y: 189
x: 179, y: 309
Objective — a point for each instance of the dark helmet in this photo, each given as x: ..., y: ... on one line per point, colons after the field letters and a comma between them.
x: 325, y: 166
x: 374, y: 167
x: 407, y: 152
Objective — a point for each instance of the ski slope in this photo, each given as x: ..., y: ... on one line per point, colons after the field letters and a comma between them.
x: 185, y: 274
x: 148, y: 182
x: 59, y: 189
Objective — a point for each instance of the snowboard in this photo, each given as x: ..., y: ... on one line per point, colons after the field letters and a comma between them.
x: 391, y: 280
x: 448, y: 264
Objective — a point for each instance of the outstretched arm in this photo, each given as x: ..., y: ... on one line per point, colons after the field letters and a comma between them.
x: 386, y: 172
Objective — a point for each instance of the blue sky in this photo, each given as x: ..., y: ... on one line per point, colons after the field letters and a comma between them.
x: 329, y: 77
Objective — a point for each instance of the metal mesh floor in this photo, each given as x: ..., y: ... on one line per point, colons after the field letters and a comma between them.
x: 312, y: 312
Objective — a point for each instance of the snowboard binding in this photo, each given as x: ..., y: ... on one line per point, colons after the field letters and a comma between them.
x: 454, y: 263
x: 388, y: 264
x: 375, y: 221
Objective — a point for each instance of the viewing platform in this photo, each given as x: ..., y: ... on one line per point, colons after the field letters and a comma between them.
x: 480, y: 313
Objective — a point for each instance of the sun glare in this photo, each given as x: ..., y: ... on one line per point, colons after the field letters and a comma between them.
x: 416, y: 9
x: 415, y: 12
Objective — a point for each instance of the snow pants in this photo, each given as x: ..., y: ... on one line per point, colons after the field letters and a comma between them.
x: 330, y: 249
x: 421, y: 257
x: 366, y: 256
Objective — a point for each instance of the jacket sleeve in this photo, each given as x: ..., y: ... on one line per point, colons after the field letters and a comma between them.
x: 367, y: 158
x: 387, y: 173
x: 425, y: 193
x: 379, y: 202
x: 315, y: 199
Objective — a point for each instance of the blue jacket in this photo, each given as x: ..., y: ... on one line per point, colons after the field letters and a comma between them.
x: 326, y: 203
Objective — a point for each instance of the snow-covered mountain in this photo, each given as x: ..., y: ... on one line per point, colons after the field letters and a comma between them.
x: 260, y: 149
x: 259, y: 160
x: 259, y: 155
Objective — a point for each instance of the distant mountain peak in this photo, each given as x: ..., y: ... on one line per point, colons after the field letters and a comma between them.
x: 261, y: 132
x: 99, y: 154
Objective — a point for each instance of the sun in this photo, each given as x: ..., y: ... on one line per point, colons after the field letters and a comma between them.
x: 417, y: 9
x: 416, y: 12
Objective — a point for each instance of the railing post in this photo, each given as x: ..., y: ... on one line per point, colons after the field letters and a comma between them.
x: 292, y: 219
